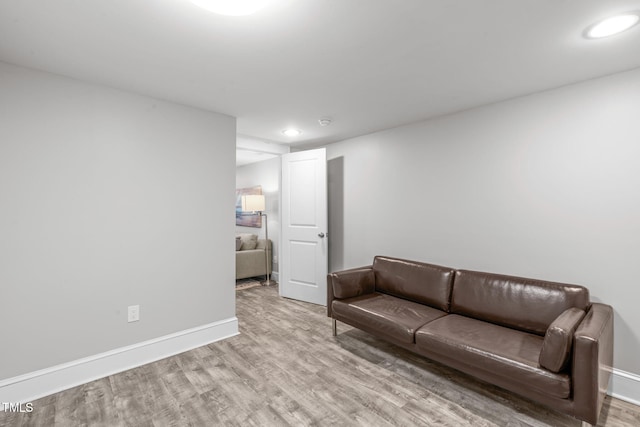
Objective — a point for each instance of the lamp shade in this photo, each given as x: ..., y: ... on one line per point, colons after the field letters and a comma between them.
x: 253, y: 203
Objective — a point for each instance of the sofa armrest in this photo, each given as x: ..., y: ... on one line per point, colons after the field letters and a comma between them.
x: 349, y: 283
x: 592, y: 361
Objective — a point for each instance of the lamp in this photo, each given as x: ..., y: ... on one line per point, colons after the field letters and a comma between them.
x: 253, y: 203
x: 256, y: 203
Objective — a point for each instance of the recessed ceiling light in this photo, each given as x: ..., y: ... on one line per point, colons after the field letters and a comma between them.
x: 292, y: 132
x: 611, y: 26
x: 232, y: 7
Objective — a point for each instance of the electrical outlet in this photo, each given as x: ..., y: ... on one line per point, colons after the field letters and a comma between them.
x: 275, y: 259
x: 133, y: 313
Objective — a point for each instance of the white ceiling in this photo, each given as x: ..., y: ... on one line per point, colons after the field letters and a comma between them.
x: 368, y: 64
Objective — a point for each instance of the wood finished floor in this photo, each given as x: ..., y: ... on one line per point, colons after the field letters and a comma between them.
x: 286, y: 369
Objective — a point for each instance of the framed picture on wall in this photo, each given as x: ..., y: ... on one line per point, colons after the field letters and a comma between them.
x: 247, y: 219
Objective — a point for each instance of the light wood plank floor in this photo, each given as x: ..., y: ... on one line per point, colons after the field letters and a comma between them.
x: 286, y: 369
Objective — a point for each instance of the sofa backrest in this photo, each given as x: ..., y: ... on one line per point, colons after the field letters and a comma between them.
x: 424, y: 283
x: 525, y: 304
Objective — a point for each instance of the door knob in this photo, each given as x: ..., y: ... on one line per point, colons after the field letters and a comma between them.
x: 321, y: 235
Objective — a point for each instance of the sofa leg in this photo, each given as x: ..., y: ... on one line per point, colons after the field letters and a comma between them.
x: 335, y: 327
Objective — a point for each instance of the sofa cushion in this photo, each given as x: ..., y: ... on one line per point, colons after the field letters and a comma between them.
x: 556, y: 346
x: 504, y: 352
x: 525, y: 304
x: 238, y: 243
x: 424, y: 283
x: 385, y: 315
x: 262, y: 244
x: 249, y: 241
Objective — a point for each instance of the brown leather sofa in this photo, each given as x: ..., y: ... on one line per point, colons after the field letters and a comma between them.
x: 542, y: 340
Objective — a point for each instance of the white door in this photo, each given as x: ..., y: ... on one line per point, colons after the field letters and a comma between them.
x: 304, y: 256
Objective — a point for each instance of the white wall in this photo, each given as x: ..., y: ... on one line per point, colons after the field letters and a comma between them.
x: 267, y: 175
x: 108, y: 199
x: 544, y: 186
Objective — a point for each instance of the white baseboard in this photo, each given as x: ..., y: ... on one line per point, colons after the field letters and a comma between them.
x: 275, y: 275
x: 34, y: 385
x: 625, y: 386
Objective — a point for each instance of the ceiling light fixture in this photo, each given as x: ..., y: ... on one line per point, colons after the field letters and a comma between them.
x: 292, y: 132
x: 232, y: 7
x: 611, y: 26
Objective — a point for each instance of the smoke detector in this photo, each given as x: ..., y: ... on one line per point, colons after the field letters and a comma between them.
x: 325, y: 121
